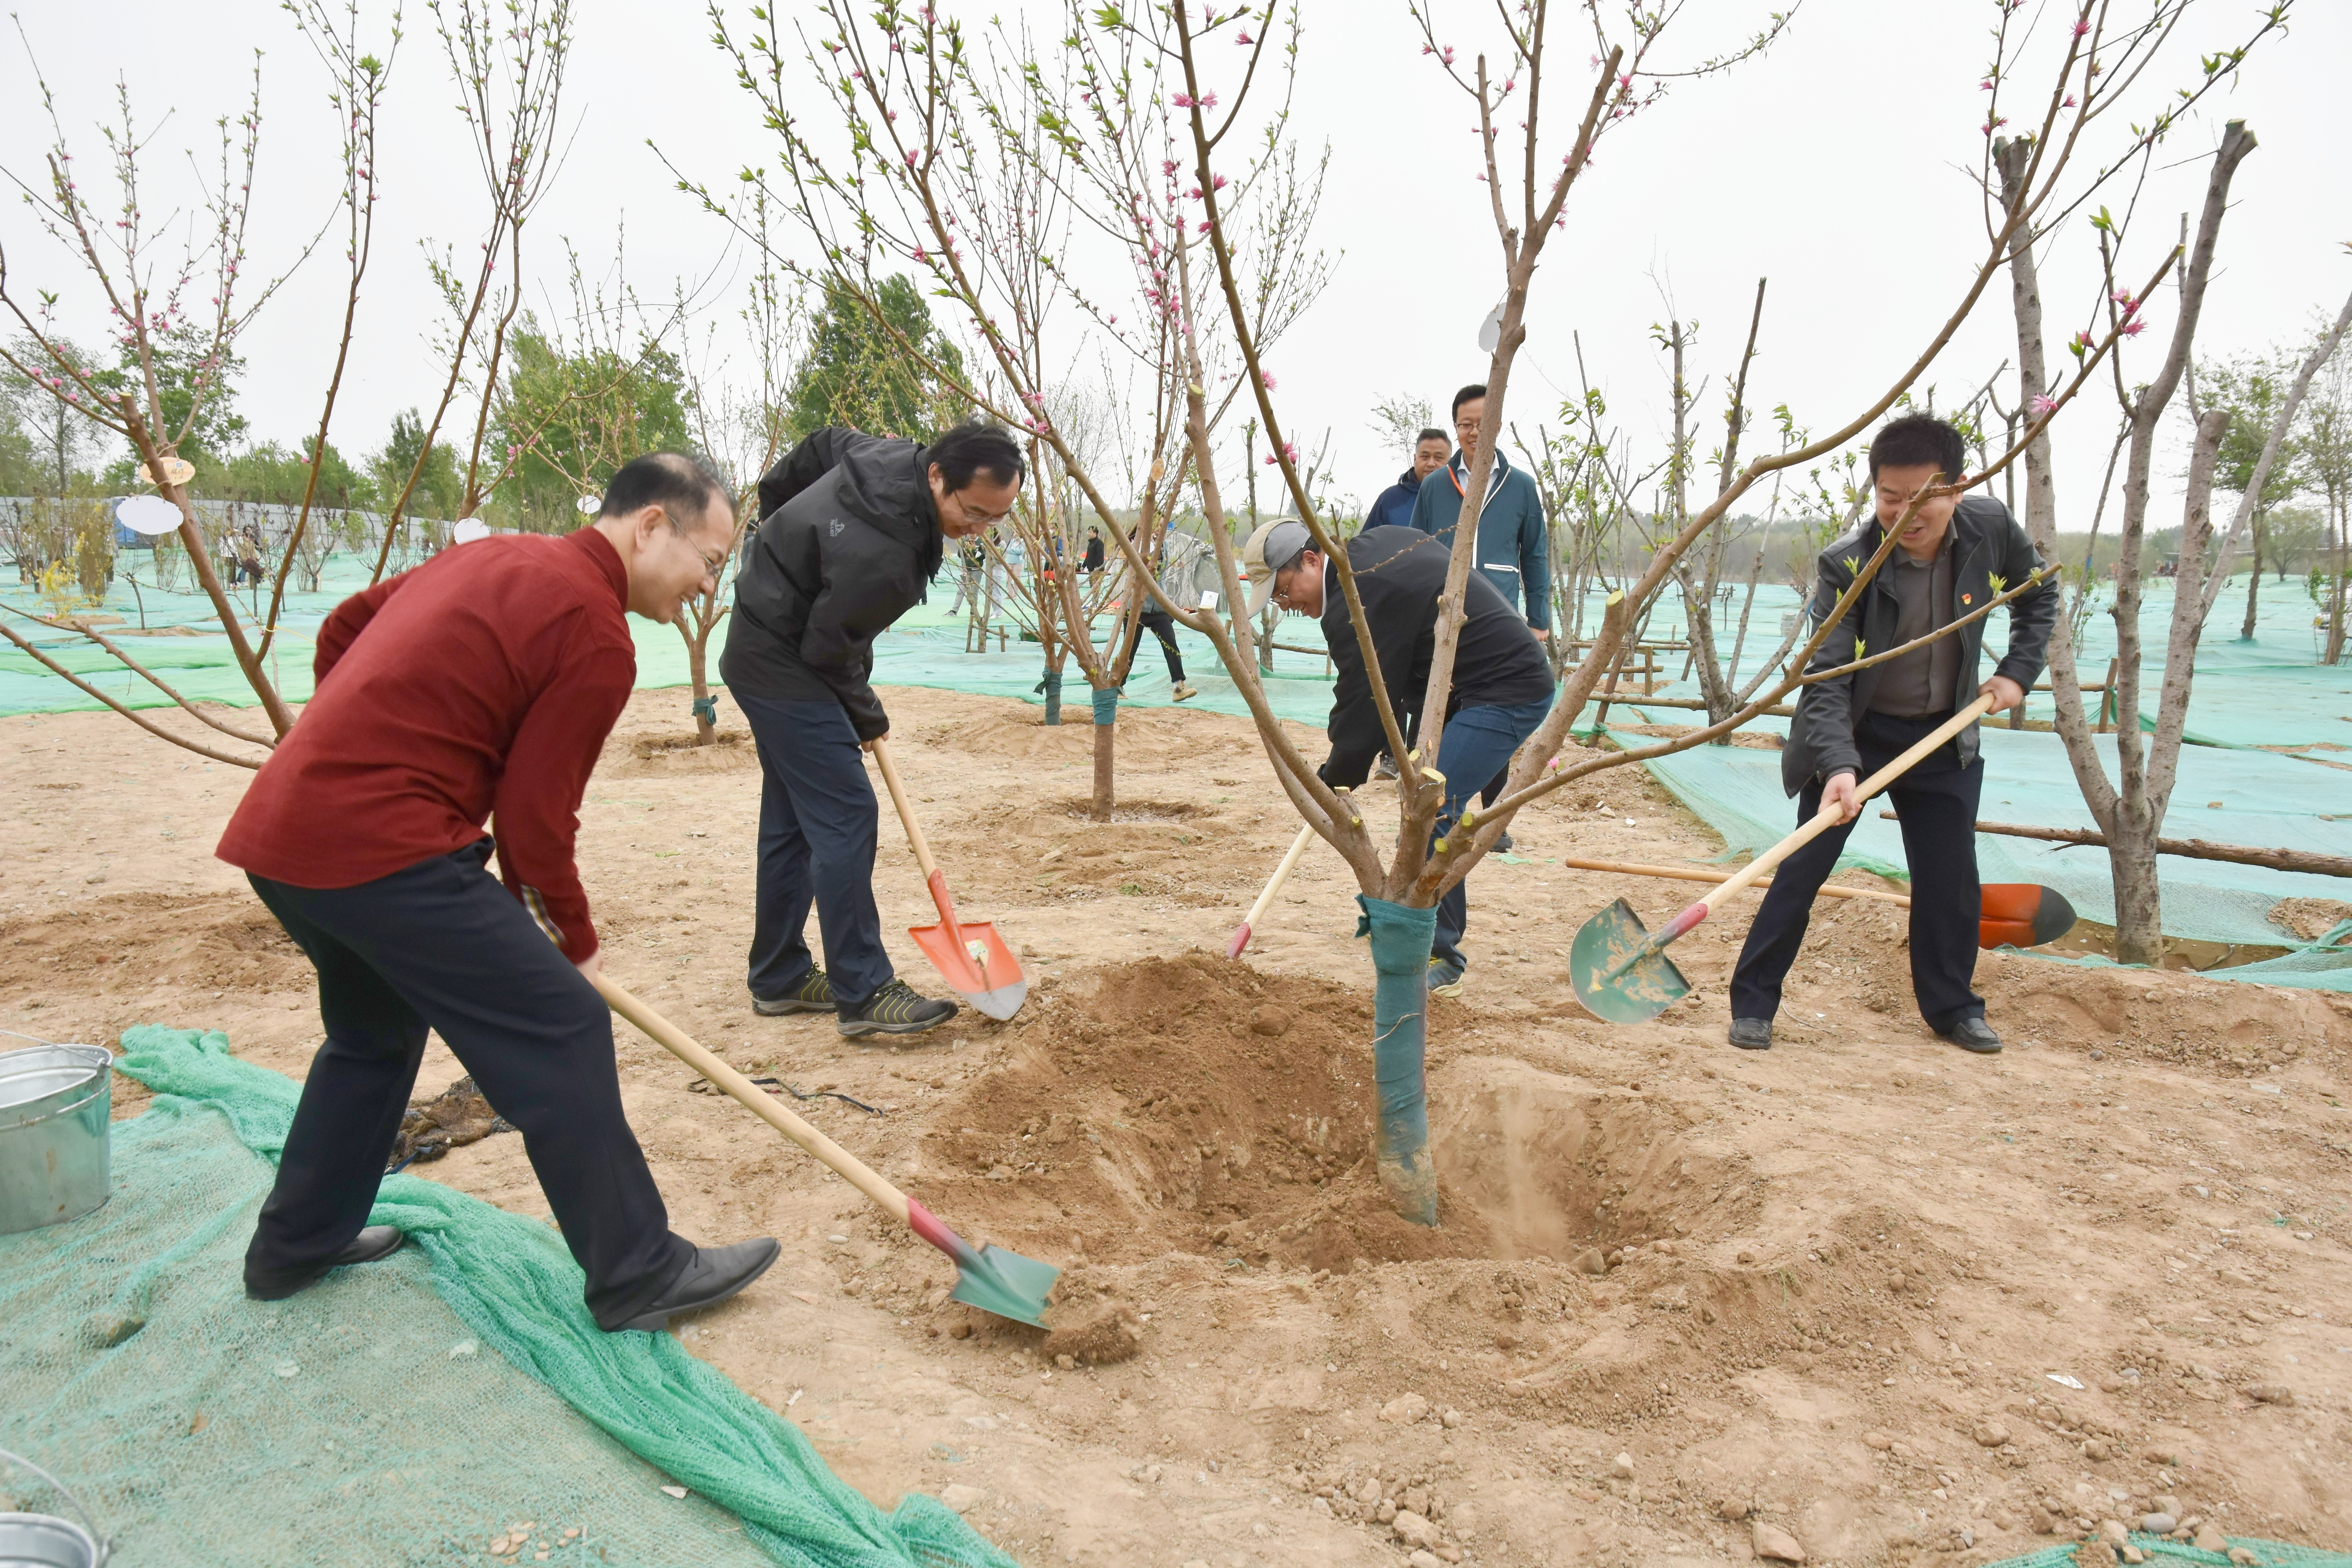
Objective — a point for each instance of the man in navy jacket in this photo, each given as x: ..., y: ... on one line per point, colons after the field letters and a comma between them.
x: 1393, y: 506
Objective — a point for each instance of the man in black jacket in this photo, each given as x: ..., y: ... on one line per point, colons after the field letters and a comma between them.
x: 1955, y: 555
x: 1502, y: 682
x: 853, y: 527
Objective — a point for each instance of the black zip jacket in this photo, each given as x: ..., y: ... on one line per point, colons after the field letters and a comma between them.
x: 1991, y: 554
x: 1399, y: 571
x: 848, y: 541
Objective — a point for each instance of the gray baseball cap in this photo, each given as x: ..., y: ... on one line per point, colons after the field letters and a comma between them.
x: 1273, y: 547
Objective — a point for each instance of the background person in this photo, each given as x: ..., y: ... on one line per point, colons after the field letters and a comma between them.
x: 1393, y: 508
x: 852, y: 532
x: 1955, y: 554
x: 483, y: 682
x: 1514, y: 549
x: 1502, y: 682
x: 1161, y: 625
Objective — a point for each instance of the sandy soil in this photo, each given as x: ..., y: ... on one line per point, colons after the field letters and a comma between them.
x: 1834, y: 1282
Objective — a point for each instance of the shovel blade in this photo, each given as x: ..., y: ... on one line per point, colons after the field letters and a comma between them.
x: 1006, y: 1284
x: 980, y: 969
x: 1643, y: 991
x: 2023, y: 914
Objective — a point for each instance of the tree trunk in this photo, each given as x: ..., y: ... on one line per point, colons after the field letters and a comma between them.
x: 706, y: 728
x: 1105, y: 742
x: 2139, y: 902
x: 2253, y: 583
x: 2335, y: 654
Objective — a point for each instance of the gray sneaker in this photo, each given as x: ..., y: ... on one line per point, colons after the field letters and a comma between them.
x: 1752, y: 1034
x: 897, y: 1009
x: 813, y: 994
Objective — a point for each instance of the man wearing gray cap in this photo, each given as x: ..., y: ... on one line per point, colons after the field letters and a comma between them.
x: 1502, y: 682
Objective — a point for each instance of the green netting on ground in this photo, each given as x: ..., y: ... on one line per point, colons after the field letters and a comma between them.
x: 408, y: 1411
x: 2266, y: 691
x: 2263, y: 799
x: 2270, y: 1553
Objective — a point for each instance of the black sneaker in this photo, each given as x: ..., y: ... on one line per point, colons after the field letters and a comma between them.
x: 897, y: 1009
x: 1444, y: 979
x: 1752, y: 1034
x: 813, y: 994
x: 1503, y: 845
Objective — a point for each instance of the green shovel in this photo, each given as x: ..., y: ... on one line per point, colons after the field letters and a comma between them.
x: 1621, y: 971
x: 989, y: 1277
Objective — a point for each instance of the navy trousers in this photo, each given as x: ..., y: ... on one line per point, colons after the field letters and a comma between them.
x: 1936, y: 803
x: 443, y: 945
x: 817, y: 823
x: 1476, y: 747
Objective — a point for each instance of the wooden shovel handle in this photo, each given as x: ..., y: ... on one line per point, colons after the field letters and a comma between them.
x: 1827, y: 817
x: 881, y: 750
x: 1281, y: 874
x: 675, y: 1040
x: 932, y: 878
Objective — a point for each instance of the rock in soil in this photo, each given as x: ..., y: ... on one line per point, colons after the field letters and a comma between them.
x: 1776, y: 1545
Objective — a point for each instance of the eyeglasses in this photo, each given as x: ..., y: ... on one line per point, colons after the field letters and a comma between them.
x: 976, y: 518
x: 710, y: 563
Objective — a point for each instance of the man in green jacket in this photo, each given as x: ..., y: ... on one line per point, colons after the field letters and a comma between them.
x: 1514, y: 547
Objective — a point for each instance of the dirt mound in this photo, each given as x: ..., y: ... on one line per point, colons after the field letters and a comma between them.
x: 2310, y: 919
x: 1187, y: 1105
x: 1168, y: 849
x: 219, y: 941
x: 661, y: 756
x: 1017, y: 731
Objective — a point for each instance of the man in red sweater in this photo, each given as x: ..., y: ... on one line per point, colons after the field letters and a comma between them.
x: 481, y: 684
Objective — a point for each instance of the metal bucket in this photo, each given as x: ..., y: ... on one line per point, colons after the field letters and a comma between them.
x: 54, y: 1107
x: 43, y: 1540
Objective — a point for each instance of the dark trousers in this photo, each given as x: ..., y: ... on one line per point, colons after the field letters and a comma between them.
x: 1936, y: 802
x: 1477, y: 744
x: 817, y: 823
x: 443, y: 945
x: 1162, y: 624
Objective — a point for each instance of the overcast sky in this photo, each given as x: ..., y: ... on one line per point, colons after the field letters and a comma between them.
x: 1840, y: 167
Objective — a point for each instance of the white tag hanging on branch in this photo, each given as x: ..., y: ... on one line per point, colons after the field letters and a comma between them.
x: 149, y: 515
x: 589, y: 506
x: 1490, y: 331
x: 468, y: 529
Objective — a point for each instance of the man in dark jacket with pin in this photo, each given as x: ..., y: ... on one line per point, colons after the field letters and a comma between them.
x: 1502, y: 682
x: 1955, y: 555
x: 853, y: 530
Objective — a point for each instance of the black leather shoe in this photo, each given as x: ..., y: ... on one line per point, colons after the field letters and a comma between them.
x: 372, y: 1242
x: 1973, y: 1033
x: 1752, y: 1034
x: 715, y: 1273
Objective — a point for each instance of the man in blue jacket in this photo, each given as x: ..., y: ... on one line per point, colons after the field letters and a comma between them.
x: 1393, y: 507
x: 1514, y: 547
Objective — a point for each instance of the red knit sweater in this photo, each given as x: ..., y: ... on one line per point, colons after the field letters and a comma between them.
x: 483, y: 683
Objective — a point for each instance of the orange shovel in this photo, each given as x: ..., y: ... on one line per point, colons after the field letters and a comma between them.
x: 970, y: 957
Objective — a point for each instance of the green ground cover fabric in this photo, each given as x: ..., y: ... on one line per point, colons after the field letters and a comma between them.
x: 2263, y: 799
x: 406, y: 1411
x: 2167, y: 1553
